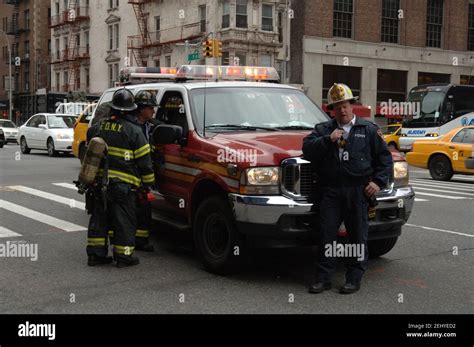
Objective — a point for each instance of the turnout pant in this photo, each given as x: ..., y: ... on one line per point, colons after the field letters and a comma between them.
x: 143, y: 223
x: 120, y: 217
x: 338, y: 204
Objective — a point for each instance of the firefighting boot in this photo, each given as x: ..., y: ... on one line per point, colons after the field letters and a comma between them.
x: 94, y: 260
x: 127, y: 261
x: 144, y: 246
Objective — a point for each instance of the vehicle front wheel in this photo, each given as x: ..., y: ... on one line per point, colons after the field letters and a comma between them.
x: 381, y: 247
x: 2, y: 144
x: 50, y: 146
x: 24, y: 146
x: 220, y: 245
x: 440, y: 168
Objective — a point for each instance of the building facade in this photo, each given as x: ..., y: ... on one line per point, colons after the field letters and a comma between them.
x: 25, y: 23
x: 381, y: 48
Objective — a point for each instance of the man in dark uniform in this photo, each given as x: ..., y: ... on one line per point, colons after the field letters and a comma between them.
x: 353, y: 163
x: 146, y: 102
x: 128, y: 166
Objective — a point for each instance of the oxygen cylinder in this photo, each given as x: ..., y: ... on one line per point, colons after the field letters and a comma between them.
x: 90, y: 167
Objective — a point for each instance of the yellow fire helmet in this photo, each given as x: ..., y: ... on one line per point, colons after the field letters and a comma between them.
x: 340, y: 92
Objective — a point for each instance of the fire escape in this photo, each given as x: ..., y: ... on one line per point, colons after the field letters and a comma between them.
x: 14, y: 29
x: 137, y: 43
x: 73, y: 56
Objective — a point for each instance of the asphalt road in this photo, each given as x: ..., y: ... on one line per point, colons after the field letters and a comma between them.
x: 422, y: 274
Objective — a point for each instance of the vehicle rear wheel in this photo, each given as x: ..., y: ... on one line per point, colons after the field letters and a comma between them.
x: 220, y: 245
x: 381, y: 247
x: 82, y: 152
x: 392, y: 146
x: 2, y: 144
x: 50, y: 146
x: 440, y: 168
x: 24, y: 146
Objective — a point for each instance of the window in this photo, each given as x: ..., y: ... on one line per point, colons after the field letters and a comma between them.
x: 241, y: 58
x: 116, y: 72
x: 468, y: 136
x: 341, y: 74
x: 226, y: 15
x: 202, y: 18
x: 111, y: 76
x: 467, y: 80
x: 65, y: 79
x: 265, y: 60
x: 241, y: 14
x: 168, y: 61
x: 58, y: 88
x: 280, y: 27
x: 27, y: 49
x: 27, y: 19
x: 459, y: 136
x: 86, y: 39
x: 58, y: 49
x: 391, y: 85
x: 27, y: 81
x: 111, y: 37
x: 157, y: 23
x: 226, y: 58
x: 157, y: 62
x: 434, y: 23
x: 390, y: 20
x: 470, y: 41
x: 87, y: 77
x: 430, y: 78
x: 342, y: 25
x: 267, y: 17
x: 170, y: 110
x: 117, y: 36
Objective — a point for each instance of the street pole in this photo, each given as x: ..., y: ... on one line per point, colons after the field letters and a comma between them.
x: 10, y: 99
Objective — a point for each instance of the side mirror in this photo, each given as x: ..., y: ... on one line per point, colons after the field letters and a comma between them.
x: 165, y: 134
x: 449, y: 107
x: 42, y: 126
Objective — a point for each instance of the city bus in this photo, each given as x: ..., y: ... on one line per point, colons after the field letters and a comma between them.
x: 433, y: 110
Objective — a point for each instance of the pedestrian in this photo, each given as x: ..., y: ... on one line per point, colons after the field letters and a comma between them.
x: 353, y: 163
x: 126, y: 168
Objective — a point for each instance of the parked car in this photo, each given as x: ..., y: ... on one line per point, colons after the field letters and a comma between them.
x: 10, y: 130
x: 45, y: 131
x: 446, y: 156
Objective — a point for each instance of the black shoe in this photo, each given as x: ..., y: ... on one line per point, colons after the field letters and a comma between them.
x: 121, y: 262
x: 349, y: 288
x: 94, y: 260
x: 319, y: 287
x: 145, y: 248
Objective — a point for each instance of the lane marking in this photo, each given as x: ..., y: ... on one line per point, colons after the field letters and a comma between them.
x: 40, y: 217
x: 443, y: 196
x: 442, y: 230
x: 438, y: 186
x: 418, y: 199
x: 53, y: 197
x: 442, y: 191
x: 66, y: 185
x: 444, y: 183
x: 4, y: 232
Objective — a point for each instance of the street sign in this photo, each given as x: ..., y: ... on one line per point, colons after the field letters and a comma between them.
x: 194, y: 56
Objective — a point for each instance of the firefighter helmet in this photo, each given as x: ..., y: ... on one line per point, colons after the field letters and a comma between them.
x: 123, y: 100
x: 338, y: 93
x: 145, y: 98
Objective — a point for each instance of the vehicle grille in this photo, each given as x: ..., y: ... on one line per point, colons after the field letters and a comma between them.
x: 298, y: 180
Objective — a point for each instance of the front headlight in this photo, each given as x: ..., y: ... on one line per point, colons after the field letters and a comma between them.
x: 63, y: 137
x: 261, y: 181
x: 400, y: 173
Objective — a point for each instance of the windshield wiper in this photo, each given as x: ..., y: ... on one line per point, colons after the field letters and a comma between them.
x: 240, y: 127
x: 295, y: 127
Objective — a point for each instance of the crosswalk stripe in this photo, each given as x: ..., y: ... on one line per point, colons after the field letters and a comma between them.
x: 444, y: 196
x: 440, y: 190
x: 57, y: 198
x: 418, y: 199
x: 442, y: 230
x: 445, y: 183
x: 437, y: 186
x: 4, y: 232
x: 40, y: 217
x: 66, y: 185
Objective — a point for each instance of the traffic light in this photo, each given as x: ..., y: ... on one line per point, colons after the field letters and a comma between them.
x: 217, y: 48
x: 208, y: 49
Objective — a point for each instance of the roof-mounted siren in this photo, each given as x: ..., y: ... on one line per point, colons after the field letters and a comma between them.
x: 227, y: 73
x: 133, y: 75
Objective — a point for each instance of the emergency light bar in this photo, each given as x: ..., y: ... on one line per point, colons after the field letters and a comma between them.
x: 229, y: 73
x: 129, y: 73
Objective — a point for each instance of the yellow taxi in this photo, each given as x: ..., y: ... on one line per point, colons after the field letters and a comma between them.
x: 80, y: 132
x: 391, y: 134
x: 446, y: 156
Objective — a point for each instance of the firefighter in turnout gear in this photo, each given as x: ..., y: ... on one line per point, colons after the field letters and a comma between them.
x: 126, y: 168
x: 353, y: 163
x: 146, y: 103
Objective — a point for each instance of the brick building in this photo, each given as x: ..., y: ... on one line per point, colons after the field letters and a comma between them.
x: 381, y: 48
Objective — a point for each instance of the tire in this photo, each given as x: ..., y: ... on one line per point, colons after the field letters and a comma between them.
x: 440, y: 168
x: 82, y: 152
x: 380, y: 247
x: 392, y: 145
x: 216, y: 237
x: 24, y: 146
x: 50, y: 146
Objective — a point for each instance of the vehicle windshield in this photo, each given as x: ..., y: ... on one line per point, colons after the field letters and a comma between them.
x: 61, y: 122
x: 425, y: 108
x: 255, y: 108
x: 7, y: 124
x: 390, y: 130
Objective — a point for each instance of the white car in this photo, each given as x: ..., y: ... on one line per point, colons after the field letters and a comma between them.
x: 52, y: 132
x: 10, y: 130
